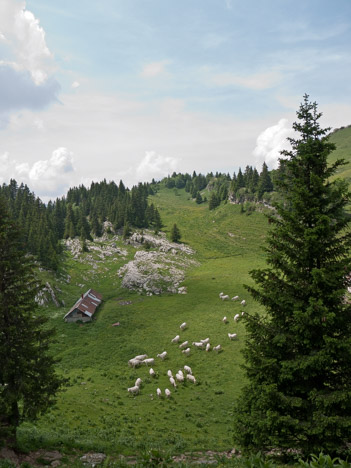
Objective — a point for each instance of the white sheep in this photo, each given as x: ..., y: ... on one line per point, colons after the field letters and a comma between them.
x: 152, y: 372
x: 180, y: 372
x: 169, y: 373
x: 180, y: 377
x: 148, y: 361
x: 191, y: 378
x: 198, y: 344
x: 236, y: 317
x: 140, y: 357
x: 158, y: 391
x: 242, y: 313
x: 188, y: 370
x: 217, y: 348
x: 134, y: 362
x: 183, y: 326
x: 225, y: 298
x: 175, y: 339
x: 243, y: 303
x: 208, y: 346
x: 235, y: 298
x: 138, y: 382
x: 134, y: 390
x: 171, y: 379
x: 205, y: 341
x: 232, y: 336
x: 224, y: 320
x: 186, y: 351
x: 162, y: 355
x: 167, y: 393
x: 184, y: 344
x: 221, y: 294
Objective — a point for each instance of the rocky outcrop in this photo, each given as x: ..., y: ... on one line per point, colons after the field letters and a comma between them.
x: 159, y: 270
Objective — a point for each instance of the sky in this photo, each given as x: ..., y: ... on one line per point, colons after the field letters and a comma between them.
x: 138, y: 89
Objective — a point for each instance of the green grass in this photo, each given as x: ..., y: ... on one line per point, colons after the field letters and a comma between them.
x: 95, y: 411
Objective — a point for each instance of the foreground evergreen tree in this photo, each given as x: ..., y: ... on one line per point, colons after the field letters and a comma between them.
x: 298, y: 353
x: 28, y: 382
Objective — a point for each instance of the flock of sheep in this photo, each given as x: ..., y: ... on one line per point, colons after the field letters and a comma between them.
x: 185, y: 348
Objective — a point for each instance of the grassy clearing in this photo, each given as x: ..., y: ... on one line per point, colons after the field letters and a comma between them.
x: 96, y: 412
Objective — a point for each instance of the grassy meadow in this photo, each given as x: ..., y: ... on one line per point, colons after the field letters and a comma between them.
x: 95, y: 411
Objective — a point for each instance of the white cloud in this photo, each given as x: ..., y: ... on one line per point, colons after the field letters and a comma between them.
x: 27, y: 64
x: 156, y: 166
x: 25, y: 39
x: 46, y: 177
x: 153, y: 69
x: 75, y: 84
x: 257, y: 81
x: 270, y: 142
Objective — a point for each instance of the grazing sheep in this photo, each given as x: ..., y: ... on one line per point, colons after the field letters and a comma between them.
x: 191, y: 378
x: 175, y: 339
x: 186, y: 351
x: 221, y: 294
x: 243, y: 303
x: 205, y: 341
x: 138, y: 382
x: 167, y: 393
x: 188, y: 370
x: 198, y: 344
x: 217, y: 348
x: 184, y: 344
x: 235, y: 298
x: 232, y: 336
x: 140, y: 357
x: 158, y: 391
x: 180, y: 372
x: 152, y: 372
x: 148, y: 361
x: 242, y: 313
x: 225, y: 298
x: 169, y: 373
x: 171, y: 379
x: 162, y: 355
x: 134, y: 362
x: 208, y: 347
x: 183, y: 326
x: 180, y: 377
x: 134, y: 390
x: 236, y: 317
x: 224, y: 320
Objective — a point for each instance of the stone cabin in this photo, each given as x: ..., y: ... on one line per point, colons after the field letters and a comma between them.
x: 85, y: 307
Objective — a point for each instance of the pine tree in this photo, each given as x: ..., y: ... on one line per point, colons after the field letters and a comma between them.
x: 298, y: 354
x: 175, y: 233
x: 198, y: 198
x: 28, y: 382
x: 264, y: 182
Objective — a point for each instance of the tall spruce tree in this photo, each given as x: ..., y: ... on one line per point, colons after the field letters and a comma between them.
x: 298, y: 353
x: 28, y: 382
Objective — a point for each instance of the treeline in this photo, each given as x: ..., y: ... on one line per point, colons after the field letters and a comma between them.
x: 81, y: 213
x: 249, y: 185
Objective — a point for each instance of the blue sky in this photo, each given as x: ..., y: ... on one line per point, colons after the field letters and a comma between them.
x: 136, y: 89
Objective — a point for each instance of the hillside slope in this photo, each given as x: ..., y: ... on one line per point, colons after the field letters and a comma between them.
x: 96, y: 411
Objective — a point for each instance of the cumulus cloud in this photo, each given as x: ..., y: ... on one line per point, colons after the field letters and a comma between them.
x: 26, y: 39
x: 156, y: 166
x: 153, y: 69
x: 270, y: 142
x: 27, y: 65
x: 48, y: 177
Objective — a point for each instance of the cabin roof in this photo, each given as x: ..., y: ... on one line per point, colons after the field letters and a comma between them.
x: 87, y: 303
